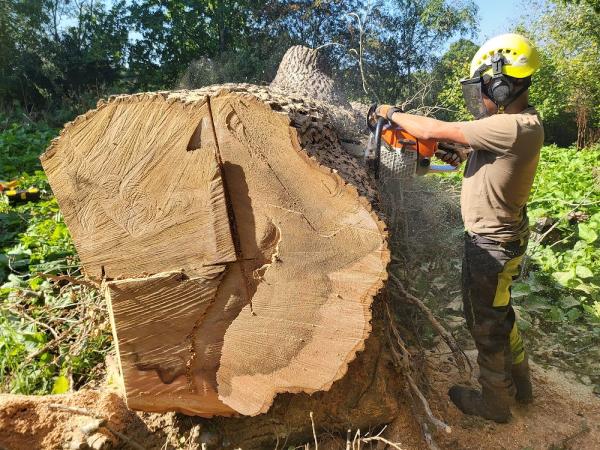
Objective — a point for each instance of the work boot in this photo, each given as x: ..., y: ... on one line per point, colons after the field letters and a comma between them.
x: 474, y: 402
x: 522, y: 379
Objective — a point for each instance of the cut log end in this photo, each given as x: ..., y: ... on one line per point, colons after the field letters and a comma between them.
x: 239, y: 246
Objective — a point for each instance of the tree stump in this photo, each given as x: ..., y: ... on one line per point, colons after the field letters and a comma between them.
x: 237, y: 243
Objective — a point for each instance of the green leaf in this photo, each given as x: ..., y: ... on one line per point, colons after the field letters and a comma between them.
x: 564, y: 277
x: 583, y: 272
x: 587, y: 288
x: 519, y: 289
x: 573, y: 314
x: 555, y: 314
x: 569, y: 301
x: 61, y: 385
x: 587, y: 233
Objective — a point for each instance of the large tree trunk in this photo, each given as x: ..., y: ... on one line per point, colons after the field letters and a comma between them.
x: 237, y: 243
x: 241, y: 250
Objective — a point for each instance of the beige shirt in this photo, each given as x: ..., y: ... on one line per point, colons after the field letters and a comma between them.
x: 499, y: 173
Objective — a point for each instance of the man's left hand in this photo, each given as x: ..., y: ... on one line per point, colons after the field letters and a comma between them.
x: 387, y: 111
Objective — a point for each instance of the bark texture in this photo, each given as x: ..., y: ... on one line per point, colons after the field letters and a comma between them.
x: 239, y: 245
x: 301, y: 73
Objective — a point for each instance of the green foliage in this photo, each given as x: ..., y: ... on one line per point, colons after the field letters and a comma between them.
x: 452, y: 67
x: 20, y: 148
x: 52, y: 336
x: 55, y: 48
x: 403, y: 38
x: 567, y: 190
x: 567, y: 88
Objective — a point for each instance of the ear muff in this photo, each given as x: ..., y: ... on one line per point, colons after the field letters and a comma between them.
x: 500, y: 90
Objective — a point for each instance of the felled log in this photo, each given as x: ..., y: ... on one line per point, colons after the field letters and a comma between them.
x: 239, y: 245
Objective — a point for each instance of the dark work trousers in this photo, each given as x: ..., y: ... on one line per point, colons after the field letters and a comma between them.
x: 489, y: 268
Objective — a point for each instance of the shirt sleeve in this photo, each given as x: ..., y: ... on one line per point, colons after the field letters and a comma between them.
x: 496, y: 134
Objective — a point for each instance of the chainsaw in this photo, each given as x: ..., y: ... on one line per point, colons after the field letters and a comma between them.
x: 393, y: 153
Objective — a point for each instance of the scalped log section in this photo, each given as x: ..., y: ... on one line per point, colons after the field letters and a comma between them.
x: 156, y: 365
x: 135, y: 194
x: 287, y: 309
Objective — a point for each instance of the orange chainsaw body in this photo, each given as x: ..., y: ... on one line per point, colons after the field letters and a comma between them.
x: 398, y: 138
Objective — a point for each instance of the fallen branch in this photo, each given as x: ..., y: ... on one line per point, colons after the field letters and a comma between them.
x: 460, y: 357
x: 85, y: 412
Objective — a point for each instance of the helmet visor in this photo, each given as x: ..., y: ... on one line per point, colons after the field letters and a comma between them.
x: 473, y: 95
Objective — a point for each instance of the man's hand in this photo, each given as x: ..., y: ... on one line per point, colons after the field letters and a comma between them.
x: 387, y: 111
x: 450, y: 157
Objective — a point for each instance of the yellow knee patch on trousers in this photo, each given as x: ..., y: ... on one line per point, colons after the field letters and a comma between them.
x: 516, y: 345
x: 510, y: 269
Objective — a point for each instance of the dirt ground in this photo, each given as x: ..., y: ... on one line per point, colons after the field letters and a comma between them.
x: 565, y: 415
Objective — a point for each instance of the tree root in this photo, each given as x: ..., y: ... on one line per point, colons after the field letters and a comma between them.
x: 402, y: 358
x: 459, y: 356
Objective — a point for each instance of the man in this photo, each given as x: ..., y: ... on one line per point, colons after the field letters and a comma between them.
x: 504, y: 145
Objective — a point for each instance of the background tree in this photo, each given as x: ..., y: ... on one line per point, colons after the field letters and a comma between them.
x: 453, y: 66
x: 567, y: 86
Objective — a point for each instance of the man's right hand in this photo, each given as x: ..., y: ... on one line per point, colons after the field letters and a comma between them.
x: 449, y: 157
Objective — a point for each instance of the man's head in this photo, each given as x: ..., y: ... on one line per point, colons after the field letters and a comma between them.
x: 500, y: 73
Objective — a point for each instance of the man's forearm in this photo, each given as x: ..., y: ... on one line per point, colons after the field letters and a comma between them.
x: 428, y: 128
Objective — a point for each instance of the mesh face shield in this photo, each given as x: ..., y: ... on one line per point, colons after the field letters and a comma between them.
x: 472, y: 90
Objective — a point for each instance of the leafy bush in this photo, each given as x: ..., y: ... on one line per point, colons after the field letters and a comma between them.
x: 20, y: 148
x: 567, y: 192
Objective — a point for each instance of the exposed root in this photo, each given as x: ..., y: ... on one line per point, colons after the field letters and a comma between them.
x: 459, y: 355
x: 402, y: 359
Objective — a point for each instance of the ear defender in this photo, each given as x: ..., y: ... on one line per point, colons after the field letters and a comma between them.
x: 500, y: 88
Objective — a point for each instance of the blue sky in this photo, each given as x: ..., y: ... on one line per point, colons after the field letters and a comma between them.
x: 497, y: 17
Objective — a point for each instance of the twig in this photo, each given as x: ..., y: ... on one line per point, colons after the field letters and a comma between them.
x: 312, y: 422
x: 70, y: 279
x: 85, y: 412
x: 446, y: 336
x: 356, y: 437
x: 384, y: 440
x: 360, y: 55
x: 348, y: 436
x: 37, y: 322
x: 53, y: 343
x: 329, y: 44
